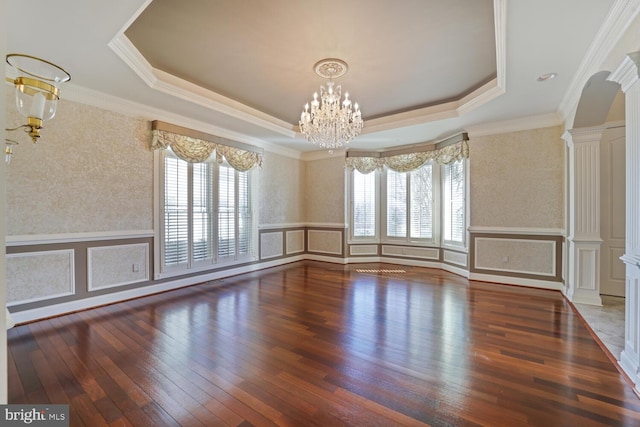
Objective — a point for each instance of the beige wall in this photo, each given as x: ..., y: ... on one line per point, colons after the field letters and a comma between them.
x: 517, y: 179
x: 92, y: 171
x: 325, y: 190
x: 281, y: 190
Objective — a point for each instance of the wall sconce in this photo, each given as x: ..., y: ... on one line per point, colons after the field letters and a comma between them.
x: 37, y: 94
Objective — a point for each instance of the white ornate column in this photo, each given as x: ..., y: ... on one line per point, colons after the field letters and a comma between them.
x: 626, y: 74
x: 582, y: 283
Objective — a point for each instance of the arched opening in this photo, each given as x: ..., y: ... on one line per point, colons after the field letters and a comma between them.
x: 602, y: 108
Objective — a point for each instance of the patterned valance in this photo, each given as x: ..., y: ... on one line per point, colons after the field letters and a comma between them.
x: 406, y: 162
x: 197, y: 147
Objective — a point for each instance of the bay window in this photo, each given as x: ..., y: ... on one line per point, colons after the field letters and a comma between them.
x: 423, y: 195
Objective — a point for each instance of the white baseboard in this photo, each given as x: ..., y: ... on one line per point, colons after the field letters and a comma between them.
x: 520, y: 281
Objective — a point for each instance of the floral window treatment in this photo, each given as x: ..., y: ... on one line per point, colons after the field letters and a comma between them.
x: 194, y: 149
x: 410, y: 161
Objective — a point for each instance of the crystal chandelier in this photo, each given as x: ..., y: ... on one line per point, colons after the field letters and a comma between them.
x: 328, y: 122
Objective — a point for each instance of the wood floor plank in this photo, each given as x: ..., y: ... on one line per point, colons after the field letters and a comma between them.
x: 315, y: 344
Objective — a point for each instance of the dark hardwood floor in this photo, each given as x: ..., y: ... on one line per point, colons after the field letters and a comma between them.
x: 314, y: 344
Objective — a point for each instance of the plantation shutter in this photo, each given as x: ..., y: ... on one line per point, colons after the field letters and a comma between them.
x: 202, y: 211
x: 454, y: 209
x: 396, y: 204
x: 226, y: 212
x: 364, y: 204
x: 176, y: 212
x: 422, y: 202
x: 244, y: 214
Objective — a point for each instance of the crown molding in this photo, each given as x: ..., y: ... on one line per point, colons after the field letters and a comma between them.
x: 626, y: 74
x: 487, y: 92
x: 180, y: 88
x: 620, y: 16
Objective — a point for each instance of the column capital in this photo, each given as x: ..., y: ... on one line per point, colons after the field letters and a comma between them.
x: 583, y: 135
x: 626, y: 73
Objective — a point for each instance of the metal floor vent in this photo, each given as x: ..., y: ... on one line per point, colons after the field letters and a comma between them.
x: 360, y: 270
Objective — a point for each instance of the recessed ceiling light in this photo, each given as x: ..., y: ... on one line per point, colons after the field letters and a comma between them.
x: 545, y: 77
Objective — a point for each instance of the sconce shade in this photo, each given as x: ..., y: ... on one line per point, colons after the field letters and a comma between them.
x: 38, y: 68
x: 37, y: 93
x: 35, y: 98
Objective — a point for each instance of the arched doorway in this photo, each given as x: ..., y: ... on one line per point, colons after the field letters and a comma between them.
x: 596, y: 283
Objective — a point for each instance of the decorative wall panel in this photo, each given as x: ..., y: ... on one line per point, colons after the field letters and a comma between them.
x: 295, y: 241
x: 457, y: 258
x: 363, y: 250
x: 523, y: 256
x: 271, y: 244
x: 411, y: 252
x: 35, y: 276
x: 111, y: 266
x: 325, y: 241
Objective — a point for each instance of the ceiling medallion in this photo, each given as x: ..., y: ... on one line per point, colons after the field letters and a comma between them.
x: 328, y: 122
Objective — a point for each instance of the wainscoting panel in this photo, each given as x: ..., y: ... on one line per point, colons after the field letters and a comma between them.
x: 325, y: 241
x: 295, y: 241
x: 411, y: 252
x: 456, y: 258
x: 534, y: 256
x: 271, y: 244
x: 363, y: 250
x: 112, y: 266
x: 37, y: 276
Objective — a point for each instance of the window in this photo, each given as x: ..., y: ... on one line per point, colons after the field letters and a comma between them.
x: 206, y: 214
x: 426, y: 206
x: 363, y: 205
x: 454, y: 203
x: 396, y: 204
x: 409, y: 204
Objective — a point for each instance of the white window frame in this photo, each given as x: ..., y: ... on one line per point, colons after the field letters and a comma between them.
x: 435, y: 185
x: 451, y: 243
x: 162, y: 271
x: 438, y: 214
x: 362, y: 239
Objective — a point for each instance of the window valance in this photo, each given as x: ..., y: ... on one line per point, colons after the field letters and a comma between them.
x: 197, y: 147
x: 407, y: 160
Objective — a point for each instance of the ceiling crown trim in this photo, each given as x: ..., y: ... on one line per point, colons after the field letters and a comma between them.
x: 180, y: 88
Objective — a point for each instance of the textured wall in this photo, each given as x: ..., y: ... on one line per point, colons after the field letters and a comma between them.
x: 324, y: 195
x: 40, y: 275
x: 280, y: 190
x: 91, y: 172
x: 517, y: 179
x: 111, y: 266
